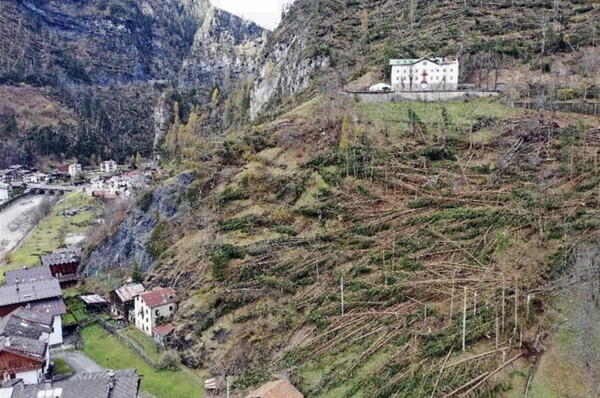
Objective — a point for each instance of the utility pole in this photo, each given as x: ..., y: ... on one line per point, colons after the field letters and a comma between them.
x: 342, y: 291
x: 228, y: 378
x: 464, y: 326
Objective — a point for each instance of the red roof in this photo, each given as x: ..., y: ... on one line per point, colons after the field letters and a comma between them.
x: 164, y: 330
x: 159, y: 297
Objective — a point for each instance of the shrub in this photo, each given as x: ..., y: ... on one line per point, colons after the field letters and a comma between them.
x: 220, y: 260
x: 169, y: 360
x: 158, y: 243
x: 145, y: 200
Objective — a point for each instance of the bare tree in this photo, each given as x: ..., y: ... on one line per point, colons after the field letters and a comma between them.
x: 584, y: 293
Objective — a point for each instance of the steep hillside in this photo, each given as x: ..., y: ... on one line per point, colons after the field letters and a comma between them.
x: 115, y: 65
x: 413, y: 206
x: 327, y: 43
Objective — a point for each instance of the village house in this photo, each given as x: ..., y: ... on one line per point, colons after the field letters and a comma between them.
x: 63, y: 265
x: 16, y: 173
x: 43, y: 296
x: 24, y: 346
x: 36, y: 178
x: 122, y: 301
x: 154, y: 308
x: 108, y: 167
x: 94, y: 304
x: 424, y: 74
x: 74, y: 170
x: 276, y: 389
x: 107, y: 384
x: 162, y: 334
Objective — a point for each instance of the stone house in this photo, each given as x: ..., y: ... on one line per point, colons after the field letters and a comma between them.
x: 153, y: 307
x: 122, y: 301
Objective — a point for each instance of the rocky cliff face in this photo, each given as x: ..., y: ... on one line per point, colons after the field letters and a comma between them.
x: 98, y: 51
x: 129, y: 243
x: 225, y: 48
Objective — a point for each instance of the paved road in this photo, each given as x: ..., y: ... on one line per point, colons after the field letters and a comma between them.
x: 78, y: 361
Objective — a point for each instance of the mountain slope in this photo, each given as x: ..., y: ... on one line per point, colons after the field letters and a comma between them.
x: 115, y: 64
x: 327, y: 43
x: 408, y: 206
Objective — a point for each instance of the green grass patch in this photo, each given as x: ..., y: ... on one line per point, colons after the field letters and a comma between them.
x: 61, y: 367
x: 51, y: 232
x: 109, y: 353
x: 144, y: 342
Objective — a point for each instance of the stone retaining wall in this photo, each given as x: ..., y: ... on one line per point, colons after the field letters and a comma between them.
x: 423, y: 96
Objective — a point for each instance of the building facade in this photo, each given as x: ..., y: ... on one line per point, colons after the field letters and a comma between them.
x: 153, y: 307
x: 424, y: 74
x: 122, y: 301
x: 75, y: 169
x: 108, y: 166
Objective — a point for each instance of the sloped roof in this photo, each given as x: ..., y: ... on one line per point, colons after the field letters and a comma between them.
x: 29, y: 292
x: 412, y: 61
x: 52, y: 306
x: 164, y: 330
x: 110, y: 384
x: 159, y: 297
x: 276, y: 389
x: 93, y: 299
x: 129, y: 291
x: 24, y: 322
x: 26, y: 275
x: 64, y: 256
x: 30, y: 348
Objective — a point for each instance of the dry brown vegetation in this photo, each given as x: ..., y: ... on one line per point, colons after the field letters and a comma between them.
x: 422, y: 210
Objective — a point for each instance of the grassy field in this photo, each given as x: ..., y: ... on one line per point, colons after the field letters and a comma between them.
x: 111, y: 354
x: 144, y: 342
x: 52, y: 231
x: 394, y: 116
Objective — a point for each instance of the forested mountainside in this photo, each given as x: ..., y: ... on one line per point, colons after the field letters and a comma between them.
x: 115, y: 66
x: 345, y: 244
x: 328, y: 43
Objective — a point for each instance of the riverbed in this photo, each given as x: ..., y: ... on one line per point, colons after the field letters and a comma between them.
x: 16, y: 221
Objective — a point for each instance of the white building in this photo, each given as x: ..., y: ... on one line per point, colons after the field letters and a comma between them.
x: 5, y: 190
x: 108, y: 166
x: 151, y: 306
x: 424, y: 74
x: 74, y: 170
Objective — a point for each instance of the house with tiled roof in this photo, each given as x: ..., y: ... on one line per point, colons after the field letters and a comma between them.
x: 41, y: 296
x: 162, y: 333
x: 122, y: 301
x: 276, y: 389
x: 24, y: 348
x: 63, y: 265
x: 154, y: 308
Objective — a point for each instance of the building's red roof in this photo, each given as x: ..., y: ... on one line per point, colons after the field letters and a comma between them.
x: 63, y: 168
x: 164, y: 330
x: 159, y: 297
